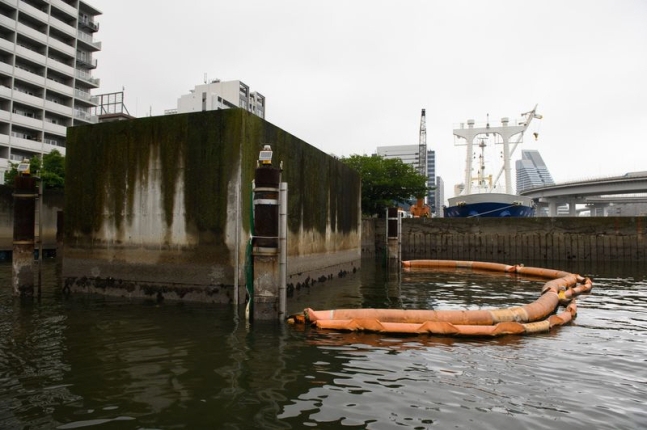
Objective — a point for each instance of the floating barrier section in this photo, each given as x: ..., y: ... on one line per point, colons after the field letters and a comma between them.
x: 537, y: 317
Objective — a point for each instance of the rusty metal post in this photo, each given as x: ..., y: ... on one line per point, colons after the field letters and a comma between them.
x: 23, y: 235
x: 266, y: 243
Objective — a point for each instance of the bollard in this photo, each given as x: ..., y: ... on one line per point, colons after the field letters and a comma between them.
x: 23, y: 235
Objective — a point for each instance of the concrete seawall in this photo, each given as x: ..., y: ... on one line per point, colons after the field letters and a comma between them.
x: 517, y: 240
x: 161, y: 206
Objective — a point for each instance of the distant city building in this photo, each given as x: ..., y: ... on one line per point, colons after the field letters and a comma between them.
x: 431, y: 182
x: 221, y: 95
x: 46, y: 63
x: 409, y: 154
x: 439, y: 196
x: 532, y: 171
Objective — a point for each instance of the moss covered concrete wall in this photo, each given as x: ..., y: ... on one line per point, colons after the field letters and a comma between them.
x: 161, y: 205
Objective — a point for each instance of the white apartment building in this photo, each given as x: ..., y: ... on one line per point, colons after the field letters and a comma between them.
x: 46, y: 63
x: 221, y: 95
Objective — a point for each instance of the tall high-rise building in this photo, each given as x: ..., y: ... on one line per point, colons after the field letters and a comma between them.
x: 439, y: 196
x: 431, y: 181
x: 410, y: 154
x: 46, y: 64
x: 532, y: 171
x: 221, y: 95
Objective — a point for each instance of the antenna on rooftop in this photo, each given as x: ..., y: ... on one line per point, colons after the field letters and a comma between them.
x: 205, y: 78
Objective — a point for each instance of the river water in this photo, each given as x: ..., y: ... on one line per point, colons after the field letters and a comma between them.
x: 107, y: 363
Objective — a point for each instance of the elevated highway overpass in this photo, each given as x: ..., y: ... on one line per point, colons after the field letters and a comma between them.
x: 594, y: 193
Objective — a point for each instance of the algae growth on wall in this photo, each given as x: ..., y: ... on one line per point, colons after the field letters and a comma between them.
x: 168, y: 199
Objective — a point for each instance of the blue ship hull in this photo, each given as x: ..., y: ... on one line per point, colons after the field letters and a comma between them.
x: 489, y: 205
x: 488, y: 210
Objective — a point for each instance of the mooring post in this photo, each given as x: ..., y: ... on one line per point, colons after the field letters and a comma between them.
x: 24, y: 216
x: 265, y: 249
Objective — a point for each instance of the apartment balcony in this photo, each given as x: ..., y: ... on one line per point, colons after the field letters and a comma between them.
x: 5, y: 115
x: 6, y: 69
x: 64, y: 7
x: 27, y: 99
x: 4, y: 139
x: 58, y: 129
x: 87, y: 78
x: 51, y: 144
x: 26, y: 76
x: 5, y: 21
x: 6, y: 46
x: 33, y: 12
x: 88, y: 24
x: 13, y: 3
x: 26, y: 144
x: 5, y: 92
x: 27, y: 122
x: 84, y: 116
x: 30, y: 55
x: 60, y: 67
x: 89, y: 41
x: 32, y: 33
x: 63, y: 27
x: 62, y: 47
x: 58, y: 108
x: 86, y: 61
x: 84, y: 95
x: 59, y: 88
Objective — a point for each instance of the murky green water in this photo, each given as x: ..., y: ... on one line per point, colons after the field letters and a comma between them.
x: 106, y: 363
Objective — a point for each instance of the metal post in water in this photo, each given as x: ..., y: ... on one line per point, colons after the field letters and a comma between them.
x: 23, y: 233
x: 283, y: 249
x: 393, y: 235
x: 237, y: 247
x: 40, y: 233
x: 399, y: 237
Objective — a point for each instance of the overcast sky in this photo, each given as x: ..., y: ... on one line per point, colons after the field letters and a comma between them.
x: 347, y: 76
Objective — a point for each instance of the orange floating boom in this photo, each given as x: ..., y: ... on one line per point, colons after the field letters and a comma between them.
x: 535, y: 317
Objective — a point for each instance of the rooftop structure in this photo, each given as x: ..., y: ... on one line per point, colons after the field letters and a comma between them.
x: 46, y: 63
x: 111, y: 107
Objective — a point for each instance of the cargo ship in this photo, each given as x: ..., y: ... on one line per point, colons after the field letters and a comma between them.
x: 481, y: 196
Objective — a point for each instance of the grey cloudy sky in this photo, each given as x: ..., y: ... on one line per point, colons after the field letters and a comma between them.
x: 349, y: 76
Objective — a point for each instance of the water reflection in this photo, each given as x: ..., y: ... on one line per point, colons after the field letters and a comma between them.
x: 99, y: 362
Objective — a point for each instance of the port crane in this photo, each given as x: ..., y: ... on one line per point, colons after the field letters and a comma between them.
x: 420, y: 209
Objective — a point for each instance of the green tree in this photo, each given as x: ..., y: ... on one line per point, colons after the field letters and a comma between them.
x: 385, y: 182
x: 51, y: 172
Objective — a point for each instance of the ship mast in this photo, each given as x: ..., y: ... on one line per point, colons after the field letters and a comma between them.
x: 506, y: 131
